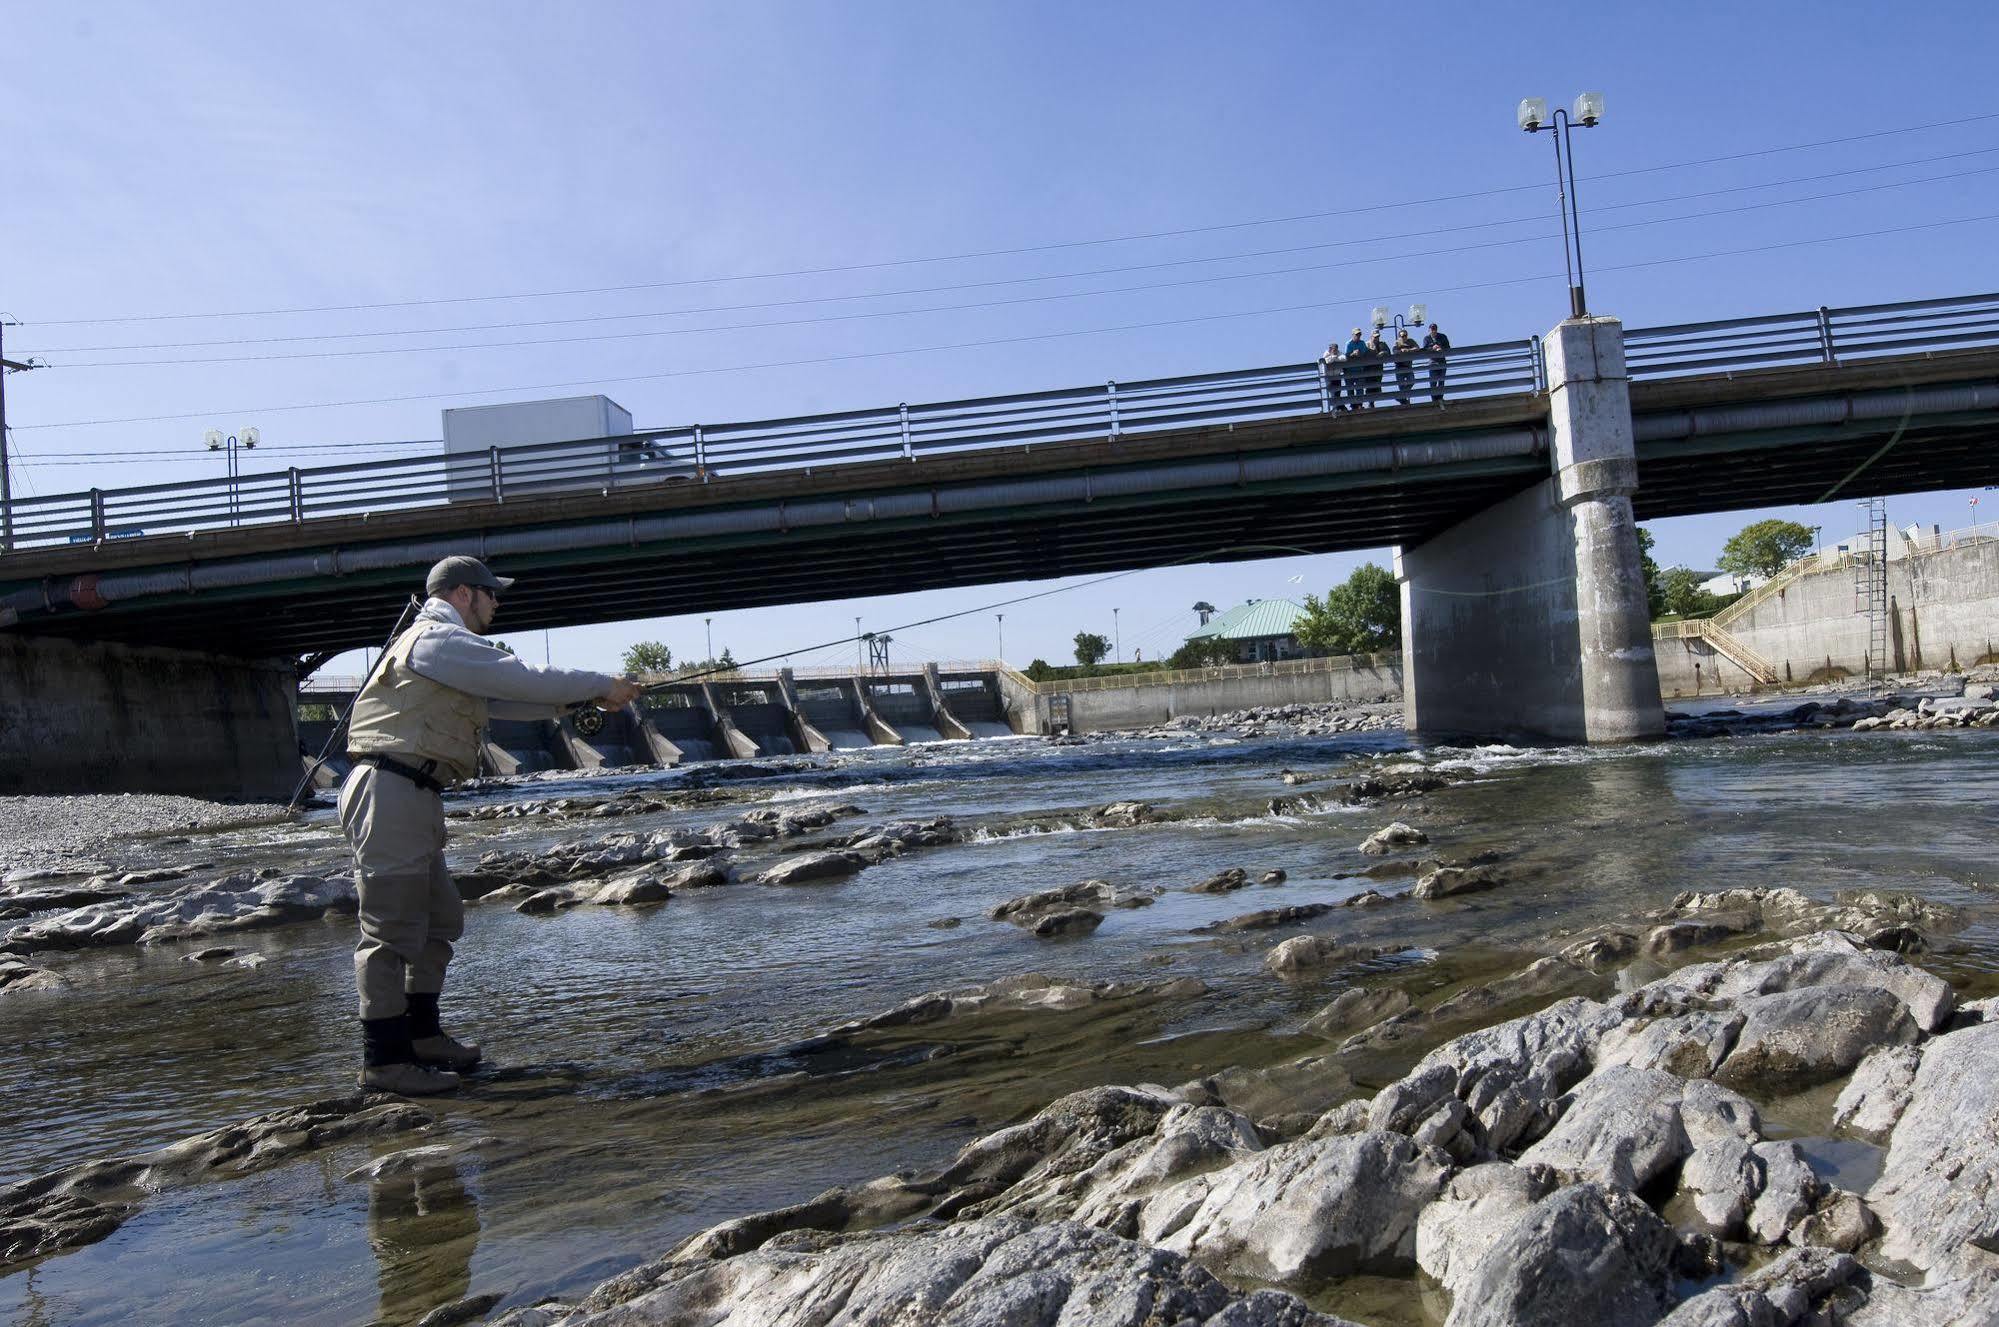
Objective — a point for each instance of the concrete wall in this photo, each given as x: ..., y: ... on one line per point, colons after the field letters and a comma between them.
x: 1145, y: 706
x: 113, y: 718
x: 1489, y: 635
x: 1944, y: 614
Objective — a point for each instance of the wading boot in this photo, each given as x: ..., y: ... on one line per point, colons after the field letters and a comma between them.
x: 428, y: 1043
x: 389, y: 1064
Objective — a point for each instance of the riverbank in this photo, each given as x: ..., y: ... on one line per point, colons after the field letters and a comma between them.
x: 718, y: 993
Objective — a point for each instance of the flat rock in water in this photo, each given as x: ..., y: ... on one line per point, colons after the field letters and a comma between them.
x: 812, y: 867
x: 1069, y: 921
x: 1271, y: 918
x: 1448, y: 881
x: 1877, y: 1094
x: 1303, y: 953
x: 1222, y: 882
x: 1397, y: 835
x: 83, y: 1203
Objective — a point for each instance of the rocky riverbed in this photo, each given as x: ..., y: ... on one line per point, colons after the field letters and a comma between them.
x: 1265, y: 1025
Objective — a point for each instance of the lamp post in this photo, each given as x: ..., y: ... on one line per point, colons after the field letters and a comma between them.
x: 1532, y: 116
x: 245, y: 439
x: 1381, y: 317
x: 859, y: 660
x: 708, y: 629
x: 1000, y: 618
x: 1117, y: 639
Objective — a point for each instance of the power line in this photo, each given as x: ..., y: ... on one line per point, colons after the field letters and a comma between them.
x: 1119, y: 270
x: 869, y: 315
x: 999, y: 341
x: 1048, y: 247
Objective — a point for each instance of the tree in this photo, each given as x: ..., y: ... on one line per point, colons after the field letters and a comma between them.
x: 1204, y: 609
x: 1765, y: 548
x: 1040, y: 671
x: 1207, y: 652
x: 1091, y: 648
x: 501, y: 645
x: 1362, y: 616
x: 1654, y: 595
x: 646, y: 656
x: 1680, y: 592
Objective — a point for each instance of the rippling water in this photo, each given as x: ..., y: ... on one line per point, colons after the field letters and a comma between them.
x: 649, y: 1082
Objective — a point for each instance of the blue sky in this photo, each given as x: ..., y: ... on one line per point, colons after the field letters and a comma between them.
x: 227, y: 157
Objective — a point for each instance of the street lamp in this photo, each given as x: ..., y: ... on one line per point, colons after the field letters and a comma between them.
x: 708, y: 628
x: 1001, y: 619
x: 1381, y: 317
x: 1533, y: 117
x: 1117, y: 638
x: 217, y: 441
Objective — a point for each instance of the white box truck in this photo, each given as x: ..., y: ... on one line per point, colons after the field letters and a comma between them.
x: 614, y: 458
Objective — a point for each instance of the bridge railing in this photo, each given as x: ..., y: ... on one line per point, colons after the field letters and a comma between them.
x: 698, y: 453
x: 1816, y: 336
x: 703, y: 452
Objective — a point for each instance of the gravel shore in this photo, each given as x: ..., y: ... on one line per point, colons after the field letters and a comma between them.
x: 81, y: 832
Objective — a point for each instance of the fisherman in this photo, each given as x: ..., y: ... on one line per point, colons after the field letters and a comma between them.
x: 415, y: 730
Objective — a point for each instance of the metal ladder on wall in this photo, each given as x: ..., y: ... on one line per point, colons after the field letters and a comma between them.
x: 1870, y: 584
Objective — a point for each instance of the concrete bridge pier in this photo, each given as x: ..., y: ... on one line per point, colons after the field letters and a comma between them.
x: 1529, y: 620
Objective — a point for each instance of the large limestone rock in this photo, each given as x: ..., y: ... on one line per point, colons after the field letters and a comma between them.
x: 1939, y: 1186
x: 1791, y: 1040
x: 813, y: 867
x: 997, y: 1272
x: 1827, y: 958
x: 1508, y: 1078
x: 1395, y: 835
x: 1877, y: 1094
x: 1626, y: 1126
x: 1304, y: 1212
x: 1585, y: 1254
x: 1796, y: 1288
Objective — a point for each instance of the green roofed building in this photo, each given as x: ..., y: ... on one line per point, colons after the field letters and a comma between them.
x: 1260, y: 630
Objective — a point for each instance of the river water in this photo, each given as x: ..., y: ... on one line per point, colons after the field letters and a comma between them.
x: 648, y: 1079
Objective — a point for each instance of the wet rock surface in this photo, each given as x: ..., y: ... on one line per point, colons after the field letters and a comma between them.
x: 82, y: 1204
x: 1575, y: 1164
x: 243, y: 901
x: 975, y: 1274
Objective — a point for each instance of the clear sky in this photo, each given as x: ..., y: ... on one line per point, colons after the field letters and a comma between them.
x: 224, y: 157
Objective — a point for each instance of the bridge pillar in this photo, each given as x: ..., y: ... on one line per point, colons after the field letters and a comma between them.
x: 1529, y: 619
x: 102, y: 717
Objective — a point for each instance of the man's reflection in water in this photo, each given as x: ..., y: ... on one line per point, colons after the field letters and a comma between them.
x: 423, y: 1225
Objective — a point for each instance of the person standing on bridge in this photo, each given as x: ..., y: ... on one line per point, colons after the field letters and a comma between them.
x: 1356, y: 370
x: 1377, y: 364
x: 1329, y: 365
x: 414, y: 730
x: 1439, y: 346
x: 1405, y: 348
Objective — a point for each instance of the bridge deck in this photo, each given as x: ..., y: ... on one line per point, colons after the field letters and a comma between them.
x: 1306, y: 483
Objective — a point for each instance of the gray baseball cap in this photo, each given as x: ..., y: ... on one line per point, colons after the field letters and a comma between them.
x: 453, y: 572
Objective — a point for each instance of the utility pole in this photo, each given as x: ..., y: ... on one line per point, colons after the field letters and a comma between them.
x: 7, y: 366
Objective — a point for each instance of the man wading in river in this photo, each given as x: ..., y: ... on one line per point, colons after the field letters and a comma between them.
x: 415, y: 730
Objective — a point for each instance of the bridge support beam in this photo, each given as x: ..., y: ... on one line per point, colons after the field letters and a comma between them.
x: 1529, y: 619
x: 102, y: 717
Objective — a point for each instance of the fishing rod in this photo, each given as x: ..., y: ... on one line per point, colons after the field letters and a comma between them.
x: 1203, y: 556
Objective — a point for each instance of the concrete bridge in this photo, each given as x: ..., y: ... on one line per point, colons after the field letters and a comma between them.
x: 1511, y: 500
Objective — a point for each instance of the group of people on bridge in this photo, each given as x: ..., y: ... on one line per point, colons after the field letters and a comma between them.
x: 1354, y: 372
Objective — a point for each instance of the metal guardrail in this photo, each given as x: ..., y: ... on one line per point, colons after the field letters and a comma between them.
x: 1818, y: 336
x: 706, y: 452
